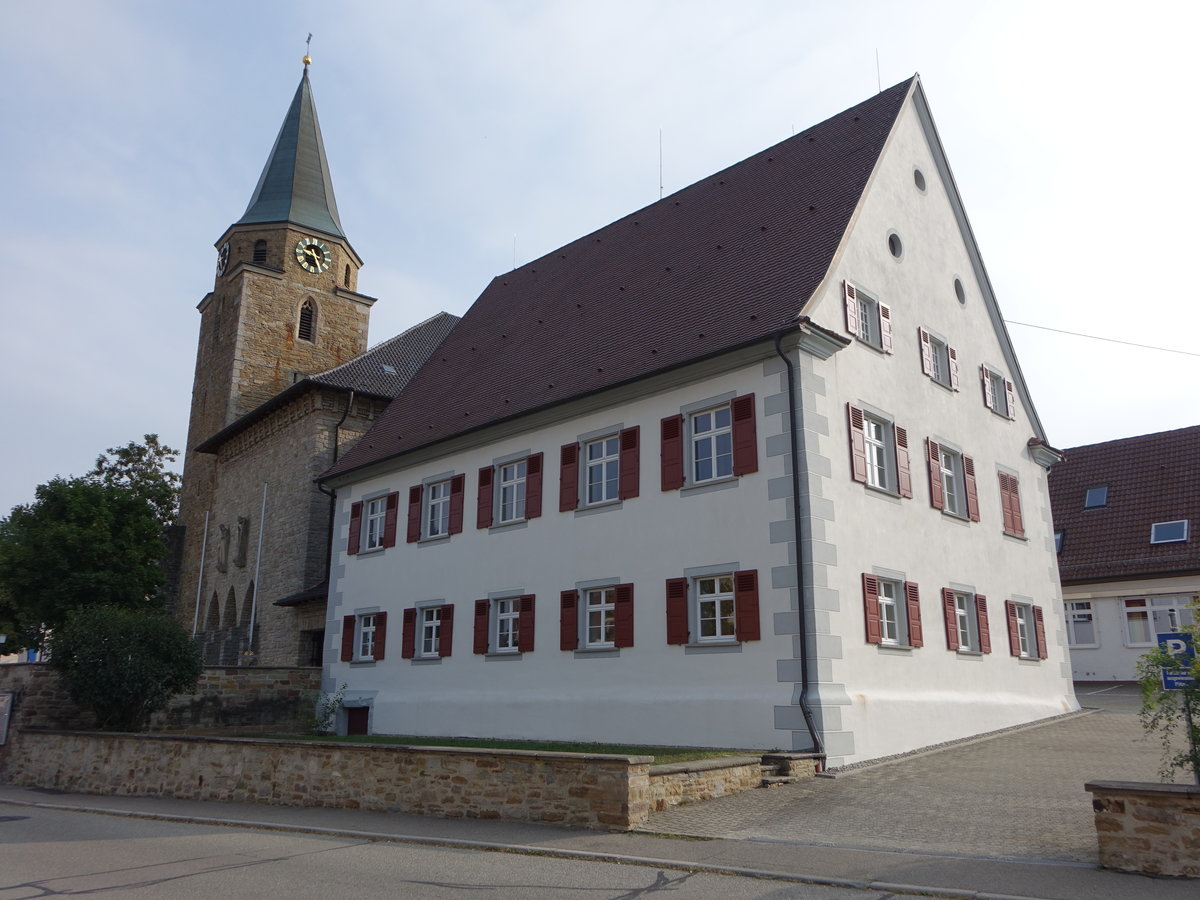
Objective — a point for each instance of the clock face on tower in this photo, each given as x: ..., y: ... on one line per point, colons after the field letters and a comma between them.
x: 313, y: 255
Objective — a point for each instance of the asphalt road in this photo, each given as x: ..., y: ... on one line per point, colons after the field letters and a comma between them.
x: 54, y: 852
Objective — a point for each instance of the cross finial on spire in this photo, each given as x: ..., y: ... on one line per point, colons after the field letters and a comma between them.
x: 307, y: 46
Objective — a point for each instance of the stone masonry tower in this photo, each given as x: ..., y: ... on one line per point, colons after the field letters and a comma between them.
x: 283, y: 306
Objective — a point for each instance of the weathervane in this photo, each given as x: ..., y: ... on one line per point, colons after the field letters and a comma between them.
x: 307, y: 47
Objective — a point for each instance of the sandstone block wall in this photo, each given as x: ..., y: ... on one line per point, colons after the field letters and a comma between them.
x: 675, y: 785
x: 1148, y: 828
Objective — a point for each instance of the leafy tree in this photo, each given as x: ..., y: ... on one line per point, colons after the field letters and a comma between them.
x: 81, y: 543
x: 1173, y: 713
x: 123, y: 664
x: 142, y: 469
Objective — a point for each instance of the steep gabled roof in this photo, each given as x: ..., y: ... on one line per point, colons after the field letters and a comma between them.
x: 1150, y: 478
x: 721, y: 264
x: 381, y: 372
x: 295, y: 185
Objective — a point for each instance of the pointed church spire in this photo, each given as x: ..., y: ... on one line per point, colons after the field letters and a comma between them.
x: 295, y: 185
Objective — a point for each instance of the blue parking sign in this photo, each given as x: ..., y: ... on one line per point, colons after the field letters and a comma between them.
x: 1178, y: 644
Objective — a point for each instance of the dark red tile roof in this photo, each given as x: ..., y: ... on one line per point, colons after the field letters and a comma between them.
x: 723, y: 263
x: 1151, y: 478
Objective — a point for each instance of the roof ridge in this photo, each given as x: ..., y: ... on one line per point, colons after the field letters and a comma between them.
x: 382, y: 345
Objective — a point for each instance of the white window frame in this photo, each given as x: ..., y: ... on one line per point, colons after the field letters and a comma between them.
x: 510, y: 490
x: 435, y: 517
x: 870, y: 314
x: 1137, y: 609
x: 506, y: 625
x: 374, y: 522
x: 606, y: 467
x: 893, y: 613
x: 879, y: 441
x: 1081, y: 612
x: 599, y: 617
x: 713, y: 601
x: 999, y: 392
x: 364, y: 637
x: 717, y: 422
x: 966, y: 620
x: 429, y: 631
x: 954, y: 488
x: 1154, y: 532
x: 1026, y: 629
x: 939, y: 353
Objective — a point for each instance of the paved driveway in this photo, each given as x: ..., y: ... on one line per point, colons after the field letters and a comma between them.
x: 1017, y: 795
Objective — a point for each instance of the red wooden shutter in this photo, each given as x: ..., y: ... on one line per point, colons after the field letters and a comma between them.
x: 903, y: 467
x: 926, y: 352
x: 414, y: 513
x: 381, y: 631
x: 885, y: 328
x: 525, y: 624
x: 483, y: 508
x: 988, y: 400
x: 1005, y: 503
x: 1039, y: 628
x: 629, y: 483
x: 533, y: 486
x: 871, y: 609
x: 482, y: 637
x: 851, y: 303
x: 568, y: 620
x: 389, y: 519
x: 933, y: 455
x: 677, y: 611
x: 623, y: 616
x: 568, y: 477
x: 1014, y: 632
x: 348, y: 625
x: 952, y: 356
x: 745, y: 435
x: 672, y: 453
x: 1012, y: 400
x: 912, y: 605
x: 981, y: 618
x: 355, y: 539
x: 457, y: 489
x: 858, y: 445
x: 745, y: 605
x: 950, y: 612
x: 408, y: 635
x: 446, y: 629
x: 969, y: 486
x: 1014, y: 504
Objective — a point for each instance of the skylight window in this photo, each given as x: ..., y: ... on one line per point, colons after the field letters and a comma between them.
x: 1169, y: 532
x: 1096, y: 496
x: 388, y: 370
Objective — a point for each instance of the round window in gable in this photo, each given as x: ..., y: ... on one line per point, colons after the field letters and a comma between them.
x: 959, y: 291
x: 919, y: 180
x: 895, y: 246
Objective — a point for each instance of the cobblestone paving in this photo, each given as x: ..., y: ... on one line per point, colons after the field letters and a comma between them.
x: 1019, y: 794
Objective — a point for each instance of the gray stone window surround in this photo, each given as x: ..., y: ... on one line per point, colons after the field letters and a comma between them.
x: 687, y: 411
x: 892, y: 491
x: 358, y: 615
x: 905, y: 649
x: 583, y: 651
x: 508, y: 594
x: 418, y: 660
x: 497, y: 462
x: 961, y: 517
x: 691, y: 574
x: 960, y: 588
x: 363, y: 551
x: 584, y: 508
x: 425, y: 483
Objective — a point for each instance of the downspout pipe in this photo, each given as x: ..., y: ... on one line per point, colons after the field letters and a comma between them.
x: 800, y: 526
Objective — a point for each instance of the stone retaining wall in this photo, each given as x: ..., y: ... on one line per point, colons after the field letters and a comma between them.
x: 679, y: 783
x: 1148, y: 828
x: 592, y: 791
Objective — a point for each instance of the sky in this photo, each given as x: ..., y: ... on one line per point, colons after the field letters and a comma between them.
x: 466, y: 136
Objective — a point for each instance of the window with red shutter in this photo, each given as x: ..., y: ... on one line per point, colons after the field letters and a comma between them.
x: 533, y: 486
x: 408, y: 635
x: 568, y: 620
x: 457, y: 489
x: 1039, y: 626
x: 413, y: 533
x: 912, y: 604
x: 630, y: 465
x: 446, y: 629
x: 1010, y: 504
x: 349, y: 626
x: 568, y: 477
x: 483, y: 512
x: 933, y: 455
x: 745, y: 604
x: 380, y: 633
x: 623, y: 616
x: 355, y: 539
x: 950, y: 613
x: 745, y: 435
x: 871, y: 608
x: 981, y: 618
x: 1014, y: 628
x: 677, y: 611
x: 526, y: 624
x: 482, y: 623
x: 903, y: 469
x: 389, y: 522
x: 672, y: 453
x: 971, y: 489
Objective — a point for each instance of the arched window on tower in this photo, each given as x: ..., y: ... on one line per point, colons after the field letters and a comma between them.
x: 260, y: 251
x: 306, y: 329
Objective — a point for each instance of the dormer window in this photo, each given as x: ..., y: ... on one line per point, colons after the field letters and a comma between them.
x: 1096, y: 496
x: 306, y: 329
x: 260, y: 252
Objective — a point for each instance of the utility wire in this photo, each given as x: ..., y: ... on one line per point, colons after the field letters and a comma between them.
x: 1098, y: 338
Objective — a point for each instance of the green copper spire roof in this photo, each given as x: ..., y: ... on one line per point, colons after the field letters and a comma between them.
x: 295, y: 185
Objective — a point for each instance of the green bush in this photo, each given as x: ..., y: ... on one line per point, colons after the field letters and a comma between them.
x: 1174, y: 714
x: 123, y: 664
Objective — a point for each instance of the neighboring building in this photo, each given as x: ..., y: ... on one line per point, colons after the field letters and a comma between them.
x: 600, y: 473
x: 1125, y: 515
x: 284, y: 384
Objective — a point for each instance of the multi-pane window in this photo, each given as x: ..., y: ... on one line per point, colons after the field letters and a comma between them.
x: 1137, y: 623
x: 512, y: 491
x: 507, y: 624
x: 715, y: 608
x: 952, y: 482
x: 437, y: 516
x: 998, y: 393
x: 712, y: 444
x: 602, y: 460
x: 601, y: 616
x: 939, y: 361
x: 878, y: 441
x: 1081, y: 624
x: 376, y: 517
x: 365, y: 644
x: 431, y: 630
x: 891, y: 623
x: 964, y: 606
x: 1025, y: 631
x: 867, y: 319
